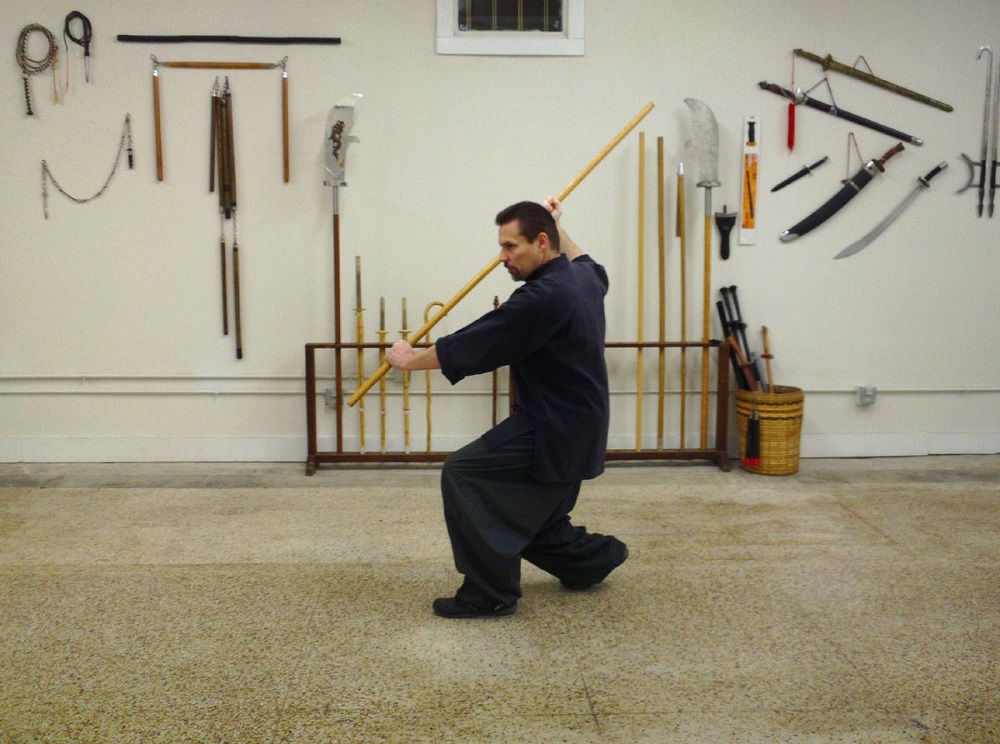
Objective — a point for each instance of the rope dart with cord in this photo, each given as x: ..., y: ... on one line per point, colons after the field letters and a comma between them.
x: 30, y: 66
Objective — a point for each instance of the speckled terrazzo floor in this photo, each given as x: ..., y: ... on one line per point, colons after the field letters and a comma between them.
x: 856, y: 601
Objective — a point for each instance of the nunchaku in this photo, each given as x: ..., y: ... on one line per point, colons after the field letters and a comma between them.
x: 158, y: 129
x: 472, y: 283
x: 222, y: 177
x: 988, y: 143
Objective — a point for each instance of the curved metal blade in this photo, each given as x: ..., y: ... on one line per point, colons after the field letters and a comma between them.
x: 705, y: 138
x: 881, y: 226
x: 339, y: 122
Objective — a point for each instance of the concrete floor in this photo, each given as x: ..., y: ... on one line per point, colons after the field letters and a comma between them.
x: 856, y: 601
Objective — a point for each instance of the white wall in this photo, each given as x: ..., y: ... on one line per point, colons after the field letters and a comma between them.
x: 110, y: 323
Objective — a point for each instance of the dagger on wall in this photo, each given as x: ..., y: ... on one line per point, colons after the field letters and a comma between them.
x: 851, y: 189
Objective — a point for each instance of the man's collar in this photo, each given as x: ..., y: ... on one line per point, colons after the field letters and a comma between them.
x: 556, y: 263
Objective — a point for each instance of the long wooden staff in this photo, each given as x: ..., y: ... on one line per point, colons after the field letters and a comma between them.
x: 427, y: 374
x: 681, y: 232
x: 382, y: 333
x: 661, y: 254
x: 405, y: 335
x: 471, y: 284
x: 156, y: 123
x: 639, y: 292
x: 359, y: 324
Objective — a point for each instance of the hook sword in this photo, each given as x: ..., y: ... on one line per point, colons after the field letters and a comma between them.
x: 985, y: 139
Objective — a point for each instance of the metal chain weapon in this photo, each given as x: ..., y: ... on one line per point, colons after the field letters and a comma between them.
x: 125, y: 144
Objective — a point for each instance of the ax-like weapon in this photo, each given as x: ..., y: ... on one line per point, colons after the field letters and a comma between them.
x: 706, y: 144
x: 338, y: 127
x: 838, y: 200
x: 800, y: 97
x: 472, y: 283
x: 923, y: 183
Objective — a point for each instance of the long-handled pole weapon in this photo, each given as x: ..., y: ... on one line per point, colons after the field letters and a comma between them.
x: 472, y: 283
x: 359, y: 324
x: 706, y: 134
x: 382, y: 333
x: 661, y: 255
x: 404, y: 334
x: 639, y: 290
x: 984, y: 142
x: 428, y: 381
x: 680, y: 230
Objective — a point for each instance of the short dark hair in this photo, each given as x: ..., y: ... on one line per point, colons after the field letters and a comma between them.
x: 532, y: 220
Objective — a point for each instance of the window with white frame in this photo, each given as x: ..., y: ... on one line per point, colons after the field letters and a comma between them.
x: 512, y: 27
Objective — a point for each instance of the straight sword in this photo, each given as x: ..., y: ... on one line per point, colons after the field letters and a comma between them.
x: 800, y: 97
x: 838, y: 200
x: 923, y: 183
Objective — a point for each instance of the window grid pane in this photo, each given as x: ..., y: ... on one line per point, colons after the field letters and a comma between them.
x: 510, y: 15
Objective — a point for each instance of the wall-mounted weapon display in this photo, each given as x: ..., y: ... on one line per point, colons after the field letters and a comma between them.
x: 124, y: 146
x: 923, y: 183
x: 31, y: 66
x: 988, y: 143
x: 158, y: 132
x: 804, y: 171
x: 799, y: 97
x: 851, y: 189
x: 84, y: 40
x: 829, y: 63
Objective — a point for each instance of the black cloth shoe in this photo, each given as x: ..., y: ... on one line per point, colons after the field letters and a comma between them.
x: 582, y: 585
x: 454, y: 609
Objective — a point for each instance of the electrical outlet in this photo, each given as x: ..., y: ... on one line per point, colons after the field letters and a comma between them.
x: 865, y: 396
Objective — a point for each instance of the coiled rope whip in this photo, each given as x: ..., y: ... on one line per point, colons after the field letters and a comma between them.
x: 30, y: 66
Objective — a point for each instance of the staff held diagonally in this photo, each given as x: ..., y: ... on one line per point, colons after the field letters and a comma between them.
x: 417, y: 336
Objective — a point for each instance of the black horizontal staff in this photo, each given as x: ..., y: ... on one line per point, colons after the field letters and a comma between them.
x: 182, y: 39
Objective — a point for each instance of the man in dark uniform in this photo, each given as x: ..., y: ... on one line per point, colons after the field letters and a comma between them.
x: 508, y: 495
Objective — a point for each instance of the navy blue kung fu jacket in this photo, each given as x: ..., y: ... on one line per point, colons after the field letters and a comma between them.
x: 551, y: 334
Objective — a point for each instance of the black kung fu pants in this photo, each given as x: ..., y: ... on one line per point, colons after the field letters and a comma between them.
x: 496, y: 514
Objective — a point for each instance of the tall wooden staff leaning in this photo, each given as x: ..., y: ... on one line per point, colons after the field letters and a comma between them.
x: 471, y: 284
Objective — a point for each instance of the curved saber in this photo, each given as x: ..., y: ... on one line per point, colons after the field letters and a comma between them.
x: 471, y: 284
x: 923, y: 183
x: 851, y: 189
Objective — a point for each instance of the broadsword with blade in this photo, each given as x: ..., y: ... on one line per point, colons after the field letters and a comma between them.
x: 706, y: 143
x: 923, y: 183
x: 838, y: 200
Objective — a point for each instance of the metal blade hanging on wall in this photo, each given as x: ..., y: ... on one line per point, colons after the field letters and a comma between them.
x: 339, y: 123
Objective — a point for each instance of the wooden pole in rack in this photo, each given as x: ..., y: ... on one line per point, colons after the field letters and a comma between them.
x: 639, y: 290
x: 471, y: 284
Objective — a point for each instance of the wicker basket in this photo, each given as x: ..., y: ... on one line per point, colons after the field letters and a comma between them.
x: 780, y: 415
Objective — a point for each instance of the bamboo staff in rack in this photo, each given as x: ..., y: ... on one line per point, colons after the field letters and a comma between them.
x: 639, y: 290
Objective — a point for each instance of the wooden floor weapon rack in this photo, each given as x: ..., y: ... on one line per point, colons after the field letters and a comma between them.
x: 335, y: 397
